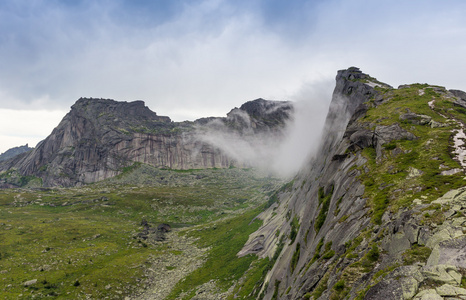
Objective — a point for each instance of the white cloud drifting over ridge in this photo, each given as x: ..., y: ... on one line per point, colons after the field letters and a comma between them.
x: 187, y: 59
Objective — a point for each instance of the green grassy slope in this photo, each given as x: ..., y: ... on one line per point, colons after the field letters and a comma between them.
x: 82, y: 242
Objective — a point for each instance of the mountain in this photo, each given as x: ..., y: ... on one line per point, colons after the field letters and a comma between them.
x: 99, y: 138
x: 379, y: 213
x: 14, y: 151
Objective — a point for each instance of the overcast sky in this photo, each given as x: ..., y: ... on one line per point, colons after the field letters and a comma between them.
x: 193, y: 58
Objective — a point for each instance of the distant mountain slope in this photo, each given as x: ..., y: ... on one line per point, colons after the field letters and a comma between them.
x: 14, y: 151
x: 98, y: 138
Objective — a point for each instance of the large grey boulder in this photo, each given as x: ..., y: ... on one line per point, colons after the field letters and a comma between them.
x: 402, y: 283
x: 442, y: 273
x: 451, y: 252
x: 415, y: 118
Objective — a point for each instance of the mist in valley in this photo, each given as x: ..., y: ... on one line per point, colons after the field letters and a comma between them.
x: 283, y: 152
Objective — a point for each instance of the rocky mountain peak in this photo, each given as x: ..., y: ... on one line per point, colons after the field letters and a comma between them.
x: 352, y: 73
x: 98, y: 138
x: 261, y: 108
x: 260, y: 114
x: 98, y: 107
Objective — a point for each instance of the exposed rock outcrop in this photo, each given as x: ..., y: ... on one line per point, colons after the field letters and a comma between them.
x: 333, y: 179
x: 349, y: 225
x: 98, y: 138
x: 14, y: 151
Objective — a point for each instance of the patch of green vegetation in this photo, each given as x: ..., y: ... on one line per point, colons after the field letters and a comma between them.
x: 226, y: 239
x: 343, y: 219
x: 390, y: 146
x: 408, y: 169
x: 251, y: 284
x: 274, y: 197
x: 337, y: 208
x: 368, y: 261
x: 249, y: 288
x: 317, y: 251
x: 373, y: 254
x: 275, y: 291
x: 361, y: 294
x: 339, y: 290
x: 416, y: 253
x: 329, y: 254
x: 14, y: 178
x: 321, y: 287
x: 294, y: 229
x: 433, y: 215
x: 295, y: 258
x: 129, y: 169
x: 380, y: 204
x: 462, y: 271
x: 352, y: 245
x: 382, y: 273
x: 324, y: 201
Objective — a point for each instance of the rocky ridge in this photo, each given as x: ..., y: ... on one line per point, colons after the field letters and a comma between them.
x: 99, y: 138
x: 379, y: 212
x: 14, y: 151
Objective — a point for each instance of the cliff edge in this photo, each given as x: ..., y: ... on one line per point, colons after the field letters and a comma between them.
x: 379, y: 212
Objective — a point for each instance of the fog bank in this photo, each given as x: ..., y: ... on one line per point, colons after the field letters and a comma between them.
x: 280, y: 153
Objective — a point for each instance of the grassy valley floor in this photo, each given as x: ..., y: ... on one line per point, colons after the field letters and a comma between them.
x: 89, y: 242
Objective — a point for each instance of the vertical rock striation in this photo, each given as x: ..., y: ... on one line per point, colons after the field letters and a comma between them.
x: 100, y: 137
x: 372, y: 216
x: 329, y: 175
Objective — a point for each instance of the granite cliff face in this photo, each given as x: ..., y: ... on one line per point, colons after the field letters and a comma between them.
x: 98, y: 138
x: 379, y: 212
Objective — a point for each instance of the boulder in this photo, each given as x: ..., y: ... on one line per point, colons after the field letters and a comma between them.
x: 451, y: 252
x: 412, y: 232
x: 429, y: 294
x: 460, y: 97
x: 362, y: 138
x: 442, y: 273
x: 398, y: 243
x: 416, y: 119
x: 448, y: 290
x: 402, y: 283
x: 30, y: 282
x: 386, y: 134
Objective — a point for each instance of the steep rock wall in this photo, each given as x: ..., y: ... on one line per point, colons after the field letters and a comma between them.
x: 329, y: 175
x: 99, y: 137
x: 368, y: 217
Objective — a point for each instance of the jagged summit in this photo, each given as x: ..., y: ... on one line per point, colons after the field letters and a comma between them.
x: 260, y: 114
x: 262, y: 108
